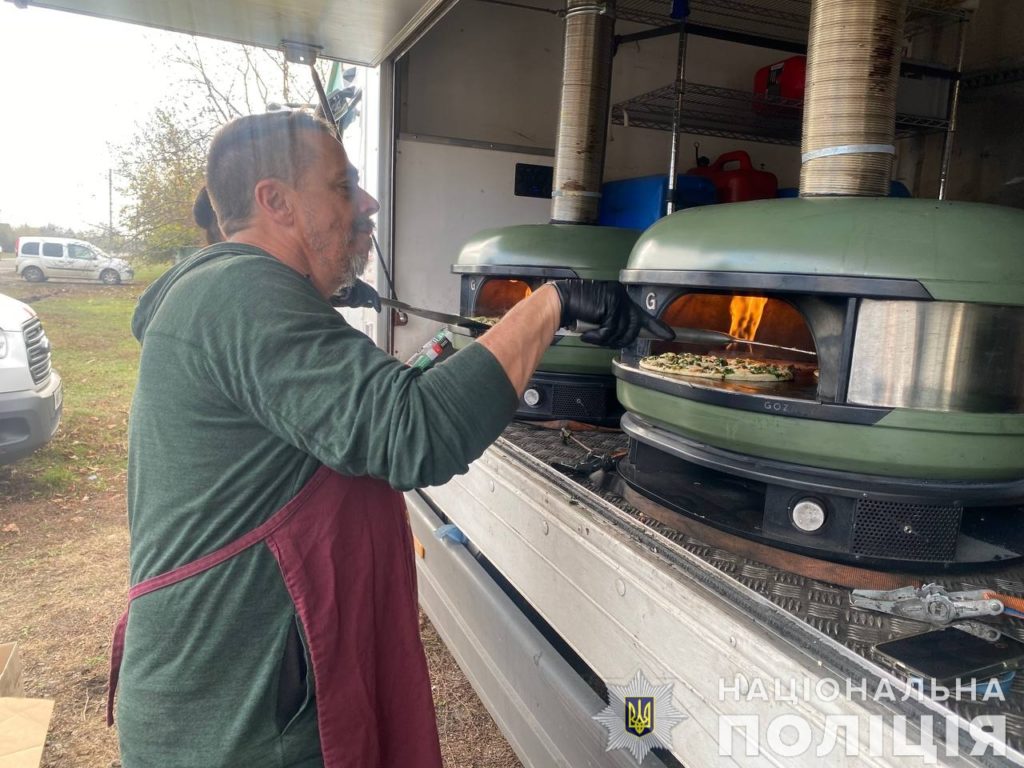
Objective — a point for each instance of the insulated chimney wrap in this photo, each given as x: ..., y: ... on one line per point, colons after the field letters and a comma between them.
x: 853, y: 67
x: 583, y: 122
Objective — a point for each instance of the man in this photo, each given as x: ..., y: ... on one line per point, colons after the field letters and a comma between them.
x: 273, y: 617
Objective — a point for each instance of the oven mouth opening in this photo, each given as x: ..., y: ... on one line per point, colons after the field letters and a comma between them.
x: 496, y: 296
x: 757, y: 318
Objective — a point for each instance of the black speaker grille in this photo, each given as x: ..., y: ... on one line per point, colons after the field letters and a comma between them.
x: 905, y: 531
x: 573, y: 402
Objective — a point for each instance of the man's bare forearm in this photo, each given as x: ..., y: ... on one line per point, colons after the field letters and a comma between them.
x: 523, y: 335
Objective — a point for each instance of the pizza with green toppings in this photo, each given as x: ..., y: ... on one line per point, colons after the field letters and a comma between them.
x: 485, y: 319
x: 714, y: 367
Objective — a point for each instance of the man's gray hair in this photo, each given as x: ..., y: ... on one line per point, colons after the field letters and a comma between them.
x: 255, y: 147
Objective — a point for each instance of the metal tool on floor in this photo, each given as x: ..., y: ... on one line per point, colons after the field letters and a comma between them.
x: 933, y: 604
x: 980, y: 630
x: 593, y: 461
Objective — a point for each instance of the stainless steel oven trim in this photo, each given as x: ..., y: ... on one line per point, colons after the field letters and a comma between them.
x: 952, y: 357
x: 504, y: 270
x: 780, y: 282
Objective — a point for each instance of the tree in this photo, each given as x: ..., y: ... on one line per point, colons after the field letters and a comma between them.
x: 161, y: 172
x: 239, y: 80
x: 7, y: 237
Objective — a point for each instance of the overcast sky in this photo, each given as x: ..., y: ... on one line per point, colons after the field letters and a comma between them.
x: 70, y: 85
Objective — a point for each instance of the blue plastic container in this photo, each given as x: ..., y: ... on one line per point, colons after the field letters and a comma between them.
x: 638, y: 203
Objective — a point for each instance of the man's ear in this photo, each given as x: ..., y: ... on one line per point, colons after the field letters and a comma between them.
x: 273, y: 201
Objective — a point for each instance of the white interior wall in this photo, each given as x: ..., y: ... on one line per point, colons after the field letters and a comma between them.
x: 444, y: 195
x: 988, y: 154
x: 488, y: 73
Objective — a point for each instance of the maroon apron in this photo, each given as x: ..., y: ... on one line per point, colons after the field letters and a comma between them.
x: 345, y: 552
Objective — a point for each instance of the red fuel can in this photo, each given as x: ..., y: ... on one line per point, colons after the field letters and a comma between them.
x: 736, y: 179
x: 784, y: 79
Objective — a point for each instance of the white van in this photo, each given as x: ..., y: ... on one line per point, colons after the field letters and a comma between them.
x: 40, y: 258
x: 31, y: 394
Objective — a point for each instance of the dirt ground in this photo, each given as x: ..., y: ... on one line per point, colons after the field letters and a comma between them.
x: 63, y: 581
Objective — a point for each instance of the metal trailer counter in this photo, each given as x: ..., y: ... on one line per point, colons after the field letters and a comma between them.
x: 553, y: 588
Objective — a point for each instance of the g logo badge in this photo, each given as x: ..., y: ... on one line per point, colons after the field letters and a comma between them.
x: 651, y: 301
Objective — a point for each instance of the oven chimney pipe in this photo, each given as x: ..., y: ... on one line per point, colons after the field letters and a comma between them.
x: 853, y: 66
x: 583, y: 120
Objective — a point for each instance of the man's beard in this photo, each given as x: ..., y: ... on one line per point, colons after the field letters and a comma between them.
x: 355, y: 262
x: 355, y: 258
x: 351, y: 259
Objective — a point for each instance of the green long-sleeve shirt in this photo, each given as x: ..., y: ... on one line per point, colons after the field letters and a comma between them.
x: 249, y: 381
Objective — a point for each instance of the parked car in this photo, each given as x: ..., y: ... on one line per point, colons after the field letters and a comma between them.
x: 40, y: 258
x: 31, y: 392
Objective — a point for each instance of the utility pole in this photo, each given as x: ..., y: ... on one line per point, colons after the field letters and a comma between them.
x: 110, y: 207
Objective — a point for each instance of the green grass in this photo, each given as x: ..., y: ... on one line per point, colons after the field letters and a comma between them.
x: 89, y: 327
x: 147, y: 272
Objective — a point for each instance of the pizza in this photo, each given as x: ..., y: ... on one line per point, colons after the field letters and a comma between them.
x: 484, y: 319
x: 714, y: 367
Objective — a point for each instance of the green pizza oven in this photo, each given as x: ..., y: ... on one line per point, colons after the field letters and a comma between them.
x: 907, y: 401
x: 499, y: 267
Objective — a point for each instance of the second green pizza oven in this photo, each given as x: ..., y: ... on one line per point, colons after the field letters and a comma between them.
x: 499, y: 267
x: 903, y: 425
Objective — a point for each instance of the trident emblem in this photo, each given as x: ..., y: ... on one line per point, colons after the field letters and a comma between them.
x: 639, y: 715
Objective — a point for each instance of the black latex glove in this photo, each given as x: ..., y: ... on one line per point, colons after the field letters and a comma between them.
x: 358, y: 295
x: 605, y: 304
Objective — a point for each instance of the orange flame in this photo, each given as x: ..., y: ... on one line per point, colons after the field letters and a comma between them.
x: 745, y: 316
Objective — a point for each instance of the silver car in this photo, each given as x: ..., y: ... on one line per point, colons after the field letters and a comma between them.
x: 31, y: 392
x: 40, y: 258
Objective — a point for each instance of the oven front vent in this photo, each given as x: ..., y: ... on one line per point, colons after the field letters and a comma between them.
x: 915, y: 531
x: 575, y: 402
x: 578, y: 397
